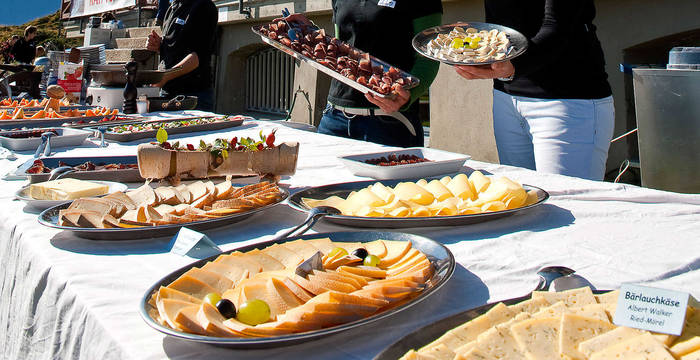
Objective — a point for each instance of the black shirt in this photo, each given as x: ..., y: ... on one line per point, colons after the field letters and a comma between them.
x: 189, y: 26
x: 564, y: 59
x: 23, y: 51
x: 382, y: 31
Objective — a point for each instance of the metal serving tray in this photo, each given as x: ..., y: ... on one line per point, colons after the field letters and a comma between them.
x: 37, y: 123
x: 429, y: 333
x: 49, y: 217
x: 335, y: 75
x: 126, y: 137
x: 344, y: 189
x: 65, y: 137
x: 126, y: 175
x: 441, y: 258
x: 518, y: 41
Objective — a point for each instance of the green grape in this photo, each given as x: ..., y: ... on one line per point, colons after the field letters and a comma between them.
x: 253, y: 312
x: 212, y: 299
x: 338, y: 250
x: 372, y: 260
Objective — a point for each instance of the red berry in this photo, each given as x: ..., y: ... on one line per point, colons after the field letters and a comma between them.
x: 240, y: 148
x: 166, y: 145
x: 270, y: 140
x: 234, y: 141
x: 190, y: 147
x: 260, y: 146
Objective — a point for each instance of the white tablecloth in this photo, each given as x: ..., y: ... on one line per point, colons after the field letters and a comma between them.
x: 66, y: 297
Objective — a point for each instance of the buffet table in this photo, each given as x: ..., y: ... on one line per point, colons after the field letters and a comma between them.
x: 67, y: 297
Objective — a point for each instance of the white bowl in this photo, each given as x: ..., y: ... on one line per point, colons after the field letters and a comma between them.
x: 23, y: 194
x: 442, y: 162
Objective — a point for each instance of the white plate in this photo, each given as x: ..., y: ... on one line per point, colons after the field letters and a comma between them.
x: 442, y: 162
x: 66, y: 137
x: 23, y: 194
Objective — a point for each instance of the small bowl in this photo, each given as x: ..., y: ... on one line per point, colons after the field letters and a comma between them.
x: 441, y: 162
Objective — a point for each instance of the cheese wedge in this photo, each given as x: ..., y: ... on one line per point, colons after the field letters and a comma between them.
x: 168, y: 293
x: 695, y: 355
x: 168, y: 308
x: 298, y: 291
x: 377, y: 248
x: 215, y: 280
x: 395, y: 252
x: 186, y: 320
x: 66, y: 189
x: 211, y: 320
x: 641, y: 347
x: 231, y: 271
x: 576, y: 329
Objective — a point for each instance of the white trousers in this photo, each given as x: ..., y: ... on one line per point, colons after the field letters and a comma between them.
x: 558, y: 136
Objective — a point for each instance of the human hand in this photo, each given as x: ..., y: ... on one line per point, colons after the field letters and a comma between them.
x: 154, y: 41
x: 390, y: 105
x: 501, y: 69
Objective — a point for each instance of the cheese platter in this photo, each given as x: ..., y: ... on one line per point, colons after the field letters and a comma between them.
x: 438, y: 201
x: 310, y: 315
x: 148, y: 212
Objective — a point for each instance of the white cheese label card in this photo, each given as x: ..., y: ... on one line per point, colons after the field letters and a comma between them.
x: 387, y: 3
x: 652, y: 309
x: 194, y: 244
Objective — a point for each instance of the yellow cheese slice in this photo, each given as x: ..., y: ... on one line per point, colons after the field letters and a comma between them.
x: 608, y: 297
x: 267, y: 262
x: 396, y: 250
x: 186, y: 320
x: 409, y: 191
x: 695, y: 355
x: 302, y: 248
x: 461, y: 187
x: 440, y: 352
x: 168, y: 293
x: 212, y: 321
x: 600, y: 342
x: 231, y: 271
x: 385, y: 193
x: 469, y: 331
x: 474, y: 354
x: 529, y: 306
x: 217, y: 281
x: 539, y: 338
x: 689, y: 340
x: 192, y: 286
x: 287, y: 257
x: 439, y: 190
x: 168, y: 308
x: 576, y: 329
x: 643, y: 346
x: 480, y: 182
x: 575, y: 297
x: 324, y: 244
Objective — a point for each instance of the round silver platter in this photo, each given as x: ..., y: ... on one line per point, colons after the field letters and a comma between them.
x: 440, y: 257
x: 518, y: 41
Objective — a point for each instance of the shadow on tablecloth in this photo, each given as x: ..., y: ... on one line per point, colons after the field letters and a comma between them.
x: 464, y: 291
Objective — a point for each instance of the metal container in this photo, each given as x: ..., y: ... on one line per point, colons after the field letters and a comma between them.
x: 668, y: 118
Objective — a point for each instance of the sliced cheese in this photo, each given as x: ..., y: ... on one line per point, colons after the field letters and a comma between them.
x: 576, y: 329
x: 689, y: 340
x: 529, y: 306
x: 644, y: 346
x: 600, y: 342
x: 575, y: 297
x: 539, y: 338
x: 695, y: 355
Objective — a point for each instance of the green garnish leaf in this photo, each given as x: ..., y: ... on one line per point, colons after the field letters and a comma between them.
x: 202, y: 145
x: 162, y: 135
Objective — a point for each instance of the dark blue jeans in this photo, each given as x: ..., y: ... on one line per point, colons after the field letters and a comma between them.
x: 163, y: 6
x: 383, y: 130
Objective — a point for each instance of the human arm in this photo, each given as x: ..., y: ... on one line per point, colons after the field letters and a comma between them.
x: 423, y: 68
x: 188, y: 64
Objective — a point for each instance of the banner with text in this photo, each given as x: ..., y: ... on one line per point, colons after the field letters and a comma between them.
x: 93, y: 7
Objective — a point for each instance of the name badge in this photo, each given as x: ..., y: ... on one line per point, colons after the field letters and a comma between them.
x: 387, y: 3
x: 180, y: 21
x: 651, y: 309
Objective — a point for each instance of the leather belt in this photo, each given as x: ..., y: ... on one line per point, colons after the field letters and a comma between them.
x: 377, y: 112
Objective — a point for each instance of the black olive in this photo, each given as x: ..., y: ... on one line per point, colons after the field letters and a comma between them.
x: 226, y: 308
x: 361, y: 253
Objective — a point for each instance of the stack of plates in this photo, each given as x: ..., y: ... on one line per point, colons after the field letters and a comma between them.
x: 93, y: 54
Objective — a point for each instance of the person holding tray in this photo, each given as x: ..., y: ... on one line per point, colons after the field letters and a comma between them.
x: 187, y: 43
x: 384, y: 29
x: 552, y: 106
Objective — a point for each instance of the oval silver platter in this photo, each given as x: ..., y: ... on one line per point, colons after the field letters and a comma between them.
x: 429, y: 333
x: 518, y: 41
x: 441, y: 258
x: 343, y: 189
x: 49, y: 217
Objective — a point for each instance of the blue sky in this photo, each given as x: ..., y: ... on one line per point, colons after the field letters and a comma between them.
x: 21, y: 11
